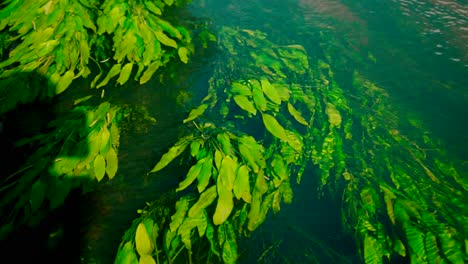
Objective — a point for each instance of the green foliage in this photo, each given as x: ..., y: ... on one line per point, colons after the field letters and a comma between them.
x: 394, y: 193
x: 82, y: 145
x: 58, y: 38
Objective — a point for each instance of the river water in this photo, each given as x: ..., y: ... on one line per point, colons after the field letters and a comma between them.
x: 419, y: 54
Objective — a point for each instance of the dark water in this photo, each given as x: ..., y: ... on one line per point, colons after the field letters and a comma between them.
x: 420, y: 56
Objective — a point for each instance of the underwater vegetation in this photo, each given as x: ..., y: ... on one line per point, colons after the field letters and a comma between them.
x: 273, y: 114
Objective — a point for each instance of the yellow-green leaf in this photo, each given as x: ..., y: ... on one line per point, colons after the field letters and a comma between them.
x: 242, y: 184
x: 173, y: 153
x: 240, y: 89
x: 192, y: 174
x: 196, y: 113
x: 227, y: 173
x: 297, y: 115
x: 111, y: 163
x: 224, y: 205
x: 64, y: 82
x: 99, y: 167
x: 143, y: 242
x: 125, y: 73
x: 112, y: 72
x: 205, y: 174
x: 149, y: 72
x: 258, y: 97
x: 182, y: 51
x: 243, y: 102
x: 153, y: 8
x: 206, y: 199
x: 272, y: 125
x: 334, y: 116
x: 164, y: 39
x: 270, y: 91
x: 146, y: 259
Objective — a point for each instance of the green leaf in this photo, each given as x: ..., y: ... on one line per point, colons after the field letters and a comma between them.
x: 196, y: 113
x: 64, y: 82
x: 164, y: 39
x: 242, y: 184
x: 178, y: 217
x: 169, y: 2
x: 143, y: 242
x: 191, y: 175
x: 258, y: 97
x: 252, y: 153
x: 173, y: 153
x: 372, y: 250
x: 243, y: 102
x: 210, y: 235
x: 206, y: 199
x: 270, y: 91
x: 432, y: 249
x: 416, y: 243
x: 99, y: 167
x: 125, y: 73
x: 334, y: 116
x: 146, y: 259
x: 227, y: 173
x: 230, y: 247
x: 224, y: 140
x: 149, y: 72
x: 153, y: 8
x: 205, y: 174
x: 105, y: 142
x: 297, y: 115
x: 37, y: 195
x: 112, y: 72
x: 240, y: 89
x: 182, y: 51
x: 112, y: 163
x: 126, y: 255
x: 274, y: 127
x: 224, y: 205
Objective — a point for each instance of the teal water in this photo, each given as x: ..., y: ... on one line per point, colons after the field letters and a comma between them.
x: 414, y: 50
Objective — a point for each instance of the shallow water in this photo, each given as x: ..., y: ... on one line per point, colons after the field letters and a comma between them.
x: 419, y: 58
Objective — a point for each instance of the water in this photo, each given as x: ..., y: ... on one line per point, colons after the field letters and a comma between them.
x: 418, y: 52
x: 418, y: 49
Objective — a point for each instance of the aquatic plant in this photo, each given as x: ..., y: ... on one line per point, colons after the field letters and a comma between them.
x: 45, y: 46
x: 58, y: 38
x: 270, y: 111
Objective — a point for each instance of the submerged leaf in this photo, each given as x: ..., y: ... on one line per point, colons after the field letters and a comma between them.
x: 99, y: 167
x: 297, y: 115
x: 192, y: 174
x: 242, y: 184
x: 206, y: 198
x: 111, y: 163
x: 224, y: 205
x: 240, y: 89
x: 205, y: 174
x: 270, y: 91
x: 125, y: 73
x: 64, y: 81
x: 143, y: 242
x: 243, y: 102
x: 182, y: 51
x: 274, y: 127
x: 173, y: 153
x: 196, y: 113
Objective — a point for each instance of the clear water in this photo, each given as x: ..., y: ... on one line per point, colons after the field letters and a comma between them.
x: 420, y: 60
